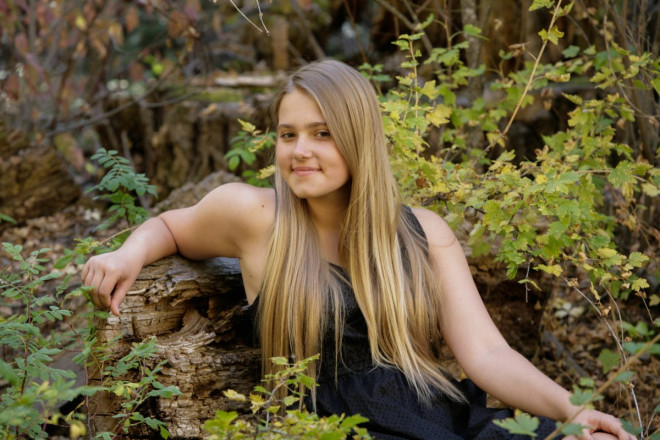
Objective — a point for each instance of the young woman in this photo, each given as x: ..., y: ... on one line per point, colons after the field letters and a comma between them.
x: 333, y: 262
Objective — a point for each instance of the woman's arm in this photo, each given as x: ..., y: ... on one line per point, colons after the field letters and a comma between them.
x: 223, y: 223
x: 480, y: 348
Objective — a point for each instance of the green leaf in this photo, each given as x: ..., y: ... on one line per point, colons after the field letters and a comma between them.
x: 571, y: 51
x: 637, y: 259
x: 622, y: 174
x: 164, y: 433
x: 8, y: 373
x: 608, y: 359
x: 581, y: 397
x: 553, y: 35
x: 656, y: 84
x: 439, y: 115
x: 635, y: 347
x: 523, y: 424
x: 639, y: 284
x: 472, y: 30
x: 572, y: 429
x: 554, y: 269
x: 624, y: 376
x: 538, y: 4
x: 6, y: 218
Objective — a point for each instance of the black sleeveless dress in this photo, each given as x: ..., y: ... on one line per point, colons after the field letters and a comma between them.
x: 383, y: 395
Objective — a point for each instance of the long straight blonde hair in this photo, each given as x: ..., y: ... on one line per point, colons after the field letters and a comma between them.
x: 385, y: 256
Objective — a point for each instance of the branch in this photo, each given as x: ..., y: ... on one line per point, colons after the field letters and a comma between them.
x: 316, y: 47
x: 604, y: 386
x: 529, y: 81
x: 246, y: 17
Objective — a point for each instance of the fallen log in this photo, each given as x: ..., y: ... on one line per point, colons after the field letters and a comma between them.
x: 198, y: 314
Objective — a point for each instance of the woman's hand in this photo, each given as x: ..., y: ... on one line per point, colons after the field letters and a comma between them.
x: 110, y: 276
x: 600, y: 423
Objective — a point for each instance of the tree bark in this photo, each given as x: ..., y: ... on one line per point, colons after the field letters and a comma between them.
x: 197, y: 312
x: 34, y: 180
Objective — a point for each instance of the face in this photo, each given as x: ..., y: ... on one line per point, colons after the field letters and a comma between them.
x: 306, y: 153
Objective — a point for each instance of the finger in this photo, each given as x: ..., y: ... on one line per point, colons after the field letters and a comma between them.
x: 106, y: 288
x: 83, y: 274
x: 93, y: 291
x: 120, y: 293
x: 97, y: 292
x: 586, y: 435
x: 87, y: 274
x: 613, y: 425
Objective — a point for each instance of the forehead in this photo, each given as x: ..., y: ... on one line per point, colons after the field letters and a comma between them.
x: 299, y: 105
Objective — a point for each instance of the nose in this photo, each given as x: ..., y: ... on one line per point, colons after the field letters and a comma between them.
x: 302, y: 150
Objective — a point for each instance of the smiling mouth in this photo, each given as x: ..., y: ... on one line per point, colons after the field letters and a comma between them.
x: 305, y: 171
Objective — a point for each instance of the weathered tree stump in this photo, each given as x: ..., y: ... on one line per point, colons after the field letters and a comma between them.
x: 33, y: 178
x: 198, y: 313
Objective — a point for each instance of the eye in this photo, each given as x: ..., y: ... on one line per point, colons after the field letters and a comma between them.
x: 323, y: 134
x: 285, y: 135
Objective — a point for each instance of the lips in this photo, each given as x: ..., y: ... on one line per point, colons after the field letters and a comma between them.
x: 304, y: 171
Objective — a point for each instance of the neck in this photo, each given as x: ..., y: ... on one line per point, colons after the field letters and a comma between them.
x: 327, y: 217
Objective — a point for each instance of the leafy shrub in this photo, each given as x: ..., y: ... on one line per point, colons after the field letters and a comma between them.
x: 271, y: 423
x: 44, y: 328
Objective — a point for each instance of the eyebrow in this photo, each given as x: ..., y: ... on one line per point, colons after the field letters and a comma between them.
x: 310, y: 125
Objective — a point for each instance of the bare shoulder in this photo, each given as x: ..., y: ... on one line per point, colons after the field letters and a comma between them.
x: 247, y: 202
x: 227, y: 221
x: 438, y: 233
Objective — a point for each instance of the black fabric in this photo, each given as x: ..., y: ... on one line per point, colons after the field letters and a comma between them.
x: 383, y: 395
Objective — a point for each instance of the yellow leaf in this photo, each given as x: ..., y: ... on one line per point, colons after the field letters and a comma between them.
x: 639, y: 284
x: 553, y: 269
x: 439, y: 115
x: 76, y: 430
x: 654, y: 300
x: 117, y: 33
x: 564, y: 77
x: 493, y: 136
x: 650, y: 189
x: 607, y: 252
x: 233, y: 395
x: 80, y: 22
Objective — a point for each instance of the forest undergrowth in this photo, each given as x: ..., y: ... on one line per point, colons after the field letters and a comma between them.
x: 574, y: 225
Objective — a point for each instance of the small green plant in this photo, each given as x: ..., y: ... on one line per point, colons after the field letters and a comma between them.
x: 6, y: 218
x: 245, y: 148
x: 135, y: 393
x: 34, y: 389
x: 117, y: 187
x: 283, y: 419
x: 43, y: 327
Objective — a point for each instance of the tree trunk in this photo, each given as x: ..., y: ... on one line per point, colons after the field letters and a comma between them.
x: 33, y: 178
x: 197, y: 312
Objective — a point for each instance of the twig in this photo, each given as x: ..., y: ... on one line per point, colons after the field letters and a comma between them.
x: 261, y: 17
x: 529, y: 82
x: 358, y: 40
x: 412, y: 25
x: 604, y: 386
x: 246, y: 17
x: 626, y: 361
x: 316, y: 47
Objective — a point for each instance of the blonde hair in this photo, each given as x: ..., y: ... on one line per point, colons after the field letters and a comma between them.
x: 385, y: 256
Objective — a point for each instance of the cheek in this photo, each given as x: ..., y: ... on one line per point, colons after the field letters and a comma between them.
x: 280, y: 156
